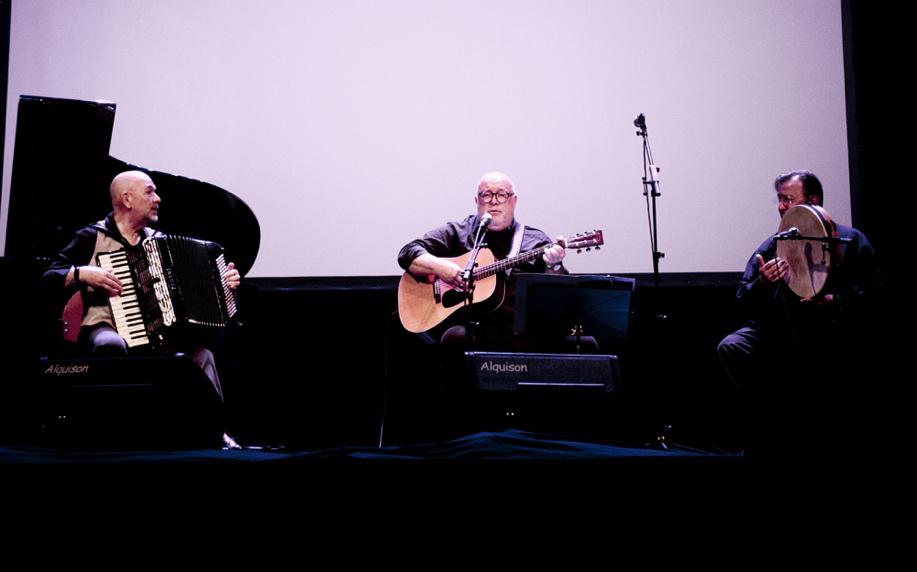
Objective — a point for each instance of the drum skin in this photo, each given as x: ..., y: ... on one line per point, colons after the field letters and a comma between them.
x: 809, y: 260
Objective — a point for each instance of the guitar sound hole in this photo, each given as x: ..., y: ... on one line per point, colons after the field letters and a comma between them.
x: 453, y: 298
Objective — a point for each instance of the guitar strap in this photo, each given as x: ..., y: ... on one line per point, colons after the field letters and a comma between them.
x: 517, y: 244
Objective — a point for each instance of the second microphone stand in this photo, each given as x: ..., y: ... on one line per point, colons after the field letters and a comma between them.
x: 468, y: 278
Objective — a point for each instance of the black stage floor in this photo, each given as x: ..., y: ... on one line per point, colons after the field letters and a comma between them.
x: 511, y: 445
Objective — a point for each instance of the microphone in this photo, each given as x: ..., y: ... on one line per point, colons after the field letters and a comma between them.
x: 485, y: 220
x: 791, y: 232
x: 640, y: 121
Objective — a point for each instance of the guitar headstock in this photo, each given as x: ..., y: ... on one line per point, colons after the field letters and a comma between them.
x: 586, y: 240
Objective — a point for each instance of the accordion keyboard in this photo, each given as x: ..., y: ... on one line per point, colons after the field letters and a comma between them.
x: 126, y: 307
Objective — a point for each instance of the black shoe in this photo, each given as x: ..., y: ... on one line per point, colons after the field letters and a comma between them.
x: 229, y: 442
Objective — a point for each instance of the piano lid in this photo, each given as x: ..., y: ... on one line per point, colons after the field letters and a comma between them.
x: 60, y: 179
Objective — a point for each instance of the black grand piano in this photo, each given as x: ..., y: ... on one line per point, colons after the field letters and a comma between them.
x: 61, y: 173
x: 60, y: 178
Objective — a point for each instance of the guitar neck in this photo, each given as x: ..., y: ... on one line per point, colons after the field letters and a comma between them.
x: 587, y: 240
x: 507, y: 263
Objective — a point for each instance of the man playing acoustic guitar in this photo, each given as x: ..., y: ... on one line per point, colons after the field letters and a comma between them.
x: 433, y: 288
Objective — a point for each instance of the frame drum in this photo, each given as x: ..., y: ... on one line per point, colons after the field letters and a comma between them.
x: 809, y: 260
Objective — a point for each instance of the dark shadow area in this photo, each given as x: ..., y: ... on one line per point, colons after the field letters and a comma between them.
x: 319, y: 364
x: 316, y: 364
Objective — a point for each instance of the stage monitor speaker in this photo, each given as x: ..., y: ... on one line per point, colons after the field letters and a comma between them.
x: 512, y: 372
x: 162, y: 402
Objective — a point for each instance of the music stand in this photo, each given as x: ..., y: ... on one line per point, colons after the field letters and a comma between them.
x: 555, y: 305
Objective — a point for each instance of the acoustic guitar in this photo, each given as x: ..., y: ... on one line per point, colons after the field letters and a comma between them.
x: 425, y: 304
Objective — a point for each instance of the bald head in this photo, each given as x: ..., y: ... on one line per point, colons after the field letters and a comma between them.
x: 134, y: 198
x: 495, y: 179
x: 126, y: 182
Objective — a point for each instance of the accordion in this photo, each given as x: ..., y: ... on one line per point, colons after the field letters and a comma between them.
x: 173, y: 284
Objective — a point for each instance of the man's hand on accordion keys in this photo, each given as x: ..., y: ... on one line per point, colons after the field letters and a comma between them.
x: 100, y: 279
x: 231, y: 276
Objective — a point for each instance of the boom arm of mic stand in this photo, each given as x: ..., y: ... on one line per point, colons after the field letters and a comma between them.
x: 814, y: 238
x: 468, y: 273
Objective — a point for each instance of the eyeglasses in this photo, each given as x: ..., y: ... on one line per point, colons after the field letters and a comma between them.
x: 489, y: 196
x: 787, y: 200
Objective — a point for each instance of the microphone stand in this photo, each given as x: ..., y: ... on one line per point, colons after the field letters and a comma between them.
x: 650, y: 191
x: 826, y: 241
x: 468, y: 273
x: 660, y: 319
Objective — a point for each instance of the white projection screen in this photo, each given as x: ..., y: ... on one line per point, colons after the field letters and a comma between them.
x: 352, y: 126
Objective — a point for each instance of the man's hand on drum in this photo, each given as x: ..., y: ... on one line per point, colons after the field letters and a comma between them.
x: 773, y: 270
